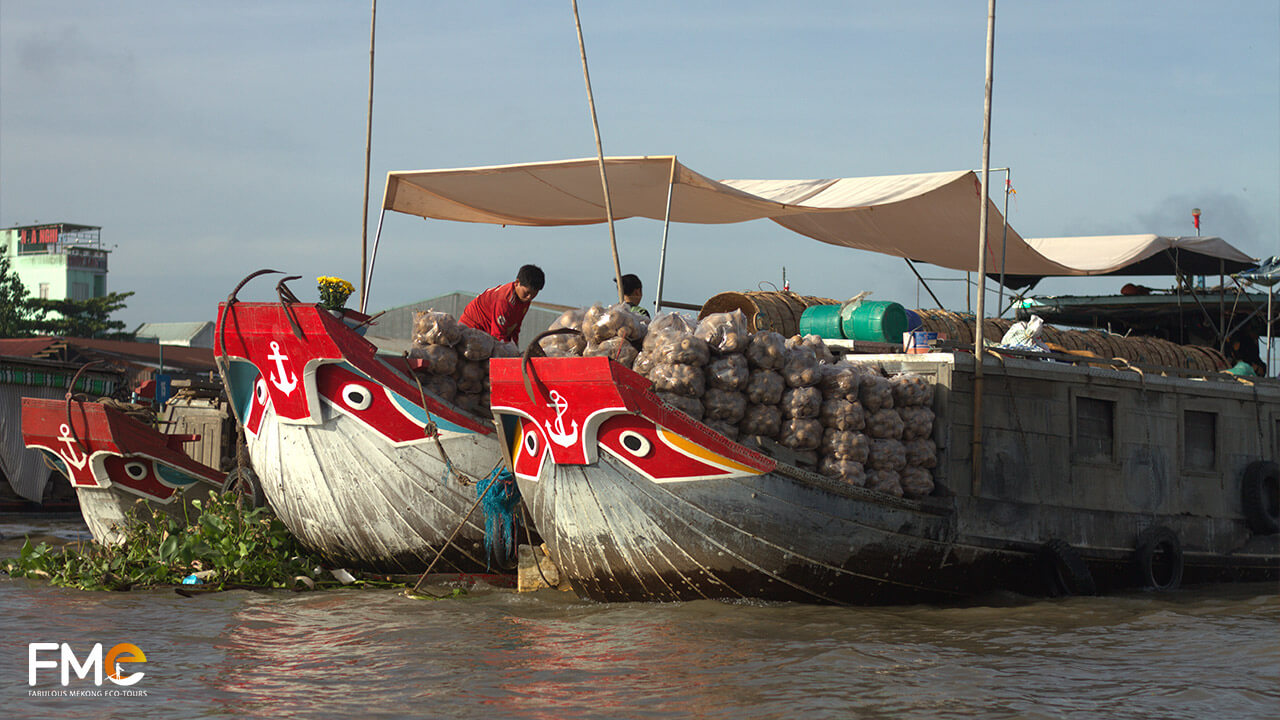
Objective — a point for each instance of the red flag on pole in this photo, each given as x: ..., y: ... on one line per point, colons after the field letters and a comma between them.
x: 1195, y: 217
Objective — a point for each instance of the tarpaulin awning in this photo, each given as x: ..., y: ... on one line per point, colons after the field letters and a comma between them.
x: 931, y: 217
x: 1136, y: 255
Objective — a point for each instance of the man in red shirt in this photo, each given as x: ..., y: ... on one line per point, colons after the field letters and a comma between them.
x: 500, y: 310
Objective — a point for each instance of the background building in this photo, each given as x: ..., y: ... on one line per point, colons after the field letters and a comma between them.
x: 58, y: 261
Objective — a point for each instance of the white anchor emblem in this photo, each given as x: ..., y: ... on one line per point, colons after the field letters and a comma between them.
x: 285, y: 381
x: 558, y: 435
x: 70, y: 454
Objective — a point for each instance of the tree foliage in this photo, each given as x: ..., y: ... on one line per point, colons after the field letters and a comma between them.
x: 15, y: 308
x: 80, y: 318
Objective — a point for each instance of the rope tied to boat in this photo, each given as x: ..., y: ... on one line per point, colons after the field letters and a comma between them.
x: 430, y: 430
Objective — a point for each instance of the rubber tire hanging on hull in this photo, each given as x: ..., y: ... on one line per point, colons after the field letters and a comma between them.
x: 1063, y: 570
x: 1159, y: 559
x: 244, y: 481
x: 1260, y: 497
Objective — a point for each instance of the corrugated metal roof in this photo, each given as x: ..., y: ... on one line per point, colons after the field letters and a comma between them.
x: 192, y: 334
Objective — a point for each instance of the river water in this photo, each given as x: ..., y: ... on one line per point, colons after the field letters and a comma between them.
x: 493, y: 653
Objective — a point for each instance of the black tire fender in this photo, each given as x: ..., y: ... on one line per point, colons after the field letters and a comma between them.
x: 1159, y: 559
x: 1260, y: 497
x: 244, y: 481
x: 1064, y: 570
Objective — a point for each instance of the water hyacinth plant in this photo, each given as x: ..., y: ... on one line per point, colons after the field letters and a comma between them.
x: 334, y: 292
x: 227, y: 547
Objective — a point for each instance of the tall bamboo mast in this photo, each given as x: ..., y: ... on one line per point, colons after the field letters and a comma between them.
x: 978, y: 349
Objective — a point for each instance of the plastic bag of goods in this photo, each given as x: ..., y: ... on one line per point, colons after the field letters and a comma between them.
x: 475, y: 345
x: 921, y: 453
x: 800, y: 433
x: 725, y: 405
x: 845, y: 470
x: 885, y: 481
x: 886, y: 454
x: 674, y: 323
x: 474, y: 403
x: 473, y: 377
x: 644, y: 362
x: 875, y: 392
x: 917, y: 422
x: 678, y: 378
x: 724, y: 332
x: 435, y: 328
x: 762, y: 420
x: 765, y: 387
x: 673, y: 346
x: 840, y: 414
x: 911, y: 389
x: 567, y: 345
x: 885, y: 423
x: 801, y: 402
x: 690, y: 406
x: 725, y: 428
x: 442, y: 386
x: 616, y: 321
x: 814, y: 343
x: 569, y: 319
x: 801, y: 369
x: 767, y: 351
x: 728, y: 372
x: 505, y: 350
x: 846, y: 445
x: 439, y: 359
x: 916, y: 482
x: 618, y: 348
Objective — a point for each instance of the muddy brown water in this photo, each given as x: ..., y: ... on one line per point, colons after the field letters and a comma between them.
x: 1195, y: 653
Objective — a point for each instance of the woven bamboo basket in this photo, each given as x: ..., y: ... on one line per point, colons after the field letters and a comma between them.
x: 766, y: 310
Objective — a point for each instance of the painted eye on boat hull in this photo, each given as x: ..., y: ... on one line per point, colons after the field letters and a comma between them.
x: 357, y: 397
x: 531, y: 443
x: 635, y: 443
x: 260, y: 390
x: 136, y: 470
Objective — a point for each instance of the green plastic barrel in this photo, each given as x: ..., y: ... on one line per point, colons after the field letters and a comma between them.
x: 874, y: 322
x: 821, y: 320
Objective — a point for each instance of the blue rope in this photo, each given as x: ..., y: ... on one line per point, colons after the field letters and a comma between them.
x: 499, y: 504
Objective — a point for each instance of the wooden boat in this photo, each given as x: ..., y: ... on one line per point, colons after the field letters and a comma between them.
x: 358, y: 460
x: 115, y: 461
x: 1093, y: 480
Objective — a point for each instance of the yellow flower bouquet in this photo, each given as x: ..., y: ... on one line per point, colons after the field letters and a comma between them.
x: 334, y: 292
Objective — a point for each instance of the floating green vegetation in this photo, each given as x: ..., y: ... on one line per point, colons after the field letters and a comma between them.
x: 226, y: 547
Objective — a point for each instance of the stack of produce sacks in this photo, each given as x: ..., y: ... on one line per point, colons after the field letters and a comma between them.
x: 611, y: 332
x: 861, y: 427
x: 455, y: 360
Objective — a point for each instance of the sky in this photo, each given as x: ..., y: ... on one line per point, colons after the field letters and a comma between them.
x: 210, y: 140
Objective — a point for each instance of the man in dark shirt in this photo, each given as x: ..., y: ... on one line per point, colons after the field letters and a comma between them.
x: 500, y: 310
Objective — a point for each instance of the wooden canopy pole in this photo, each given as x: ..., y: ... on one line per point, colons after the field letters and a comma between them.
x: 368, y: 146
x: 604, y: 178
x: 978, y: 348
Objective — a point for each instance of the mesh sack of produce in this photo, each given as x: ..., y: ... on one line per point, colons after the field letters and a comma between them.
x: 917, y: 422
x: 814, y: 343
x: 875, y: 392
x: 505, y: 350
x: 727, y: 429
x: 800, y: 433
x: 885, y: 481
x: 472, y: 377
x: 885, y: 424
x: 644, y: 362
x: 618, y: 348
x: 442, y: 386
x: 474, y: 403
x: 762, y: 420
x: 572, y: 345
x: 841, y: 469
x: 801, y: 402
x: 678, y: 378
x: 569, y: 319
x: 435, y: 328
x: 725, y: 332
x: 839, y: 380
x: 673, y: 346
x: 767, y: 351
x: 921, y: 453
x: 475, y: 345
x: 728, y: 372
x: 668, y: 324
x: 886, y: 454
x: 726, y: 405
x: 765, y: 387
x: 616, y: 321
x: 916, y: 482
x: 911, y: 389
x: 690, y: 406
x: 840, y: 414
x: 801, y: 369
x: 846, y: 444
x: 439, y: 359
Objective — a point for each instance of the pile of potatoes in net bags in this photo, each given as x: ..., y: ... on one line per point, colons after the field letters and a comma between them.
x: 455, y: 360
x: 862, y: 426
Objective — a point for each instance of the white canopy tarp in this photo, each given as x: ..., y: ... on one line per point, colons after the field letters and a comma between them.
x: 931, y: 217
x: 1102, y: 254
